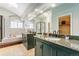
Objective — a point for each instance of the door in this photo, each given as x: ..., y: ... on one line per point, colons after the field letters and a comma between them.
x: 64, y: 25
x: 61, y: 51
x: 47, y: 50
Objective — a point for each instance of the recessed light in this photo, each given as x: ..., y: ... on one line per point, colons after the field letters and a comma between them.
x: 53, y: 5
x: 36, y: 9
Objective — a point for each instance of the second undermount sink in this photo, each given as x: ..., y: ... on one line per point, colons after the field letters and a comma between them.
x: 74, y: 44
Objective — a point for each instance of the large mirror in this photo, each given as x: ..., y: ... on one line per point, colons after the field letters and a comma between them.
x: 40, y: 27
x: 43, y: 22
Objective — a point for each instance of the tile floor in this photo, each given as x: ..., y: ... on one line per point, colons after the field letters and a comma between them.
x: 16, y: 50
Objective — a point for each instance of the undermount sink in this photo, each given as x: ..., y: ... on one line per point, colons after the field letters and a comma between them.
x: 74, y: 44
x: 51, y: 38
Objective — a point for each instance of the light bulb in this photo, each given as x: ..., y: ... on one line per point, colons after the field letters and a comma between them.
x: 36, y: 9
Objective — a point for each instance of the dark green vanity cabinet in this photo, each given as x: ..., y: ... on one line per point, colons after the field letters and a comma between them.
x: 38, y: 47
x: 28, y: 40
x: 61, y: 52
x: 64, y: 51
x: 45, y: 48
x: 42, y: 49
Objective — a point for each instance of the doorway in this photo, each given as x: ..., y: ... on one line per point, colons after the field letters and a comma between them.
x: 64, y: 25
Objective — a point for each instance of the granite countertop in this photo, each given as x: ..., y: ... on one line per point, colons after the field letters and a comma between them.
x: 69, y: 43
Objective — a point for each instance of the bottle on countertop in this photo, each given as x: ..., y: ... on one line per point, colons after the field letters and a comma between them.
x: 66, y: 37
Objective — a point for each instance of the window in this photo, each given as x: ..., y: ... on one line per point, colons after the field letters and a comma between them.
x: 16, y: 24
x: 13, y: 24
x: 20, y: 25
x: 29, y: 25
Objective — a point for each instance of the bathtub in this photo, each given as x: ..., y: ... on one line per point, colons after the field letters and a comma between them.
x: 8, y: 41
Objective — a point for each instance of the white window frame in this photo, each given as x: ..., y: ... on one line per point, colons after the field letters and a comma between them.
x: 17, y: 24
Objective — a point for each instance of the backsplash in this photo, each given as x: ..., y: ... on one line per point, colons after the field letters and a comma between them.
x: 74, y: 37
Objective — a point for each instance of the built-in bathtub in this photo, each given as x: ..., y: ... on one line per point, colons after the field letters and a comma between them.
x: 8, y: 41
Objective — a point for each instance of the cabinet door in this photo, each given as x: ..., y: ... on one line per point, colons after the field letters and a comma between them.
x: 38, y: 48
x: 24, y: 37
x: 73, y: 52
x: 47, y: 50
x: 54, y: 49
x: 61, y: 52
x: 30, y: 41
x: 66, y: 52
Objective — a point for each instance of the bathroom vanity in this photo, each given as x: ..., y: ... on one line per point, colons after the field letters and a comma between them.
x: 28, y: 40
x: 52, y: 46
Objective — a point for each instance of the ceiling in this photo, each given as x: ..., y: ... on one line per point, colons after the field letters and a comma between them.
x: 23, y: 9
